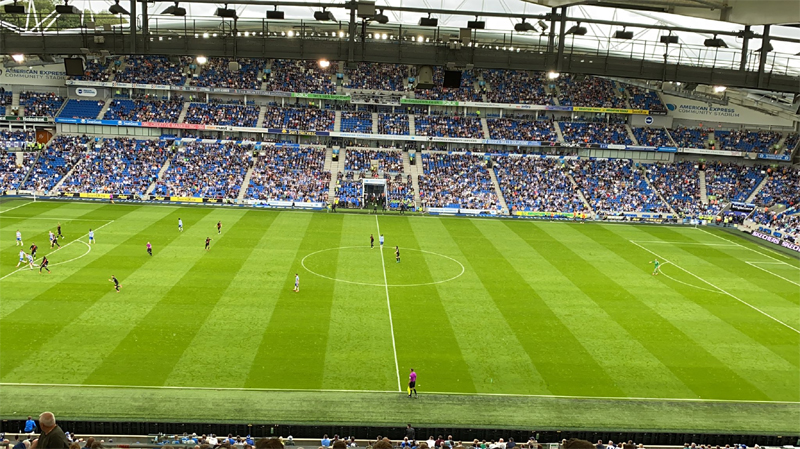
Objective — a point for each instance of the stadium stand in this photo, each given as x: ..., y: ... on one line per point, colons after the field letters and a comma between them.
x: 689, y: 137
x: 59, y: 157
x: 516, y: 87
x: 783, y: 187
x: 118, y: 165
x: 512, y: 129
x: 289, y: 174
x: 300, y: 76
x: 206, y: 171
x: 748, y: 141
x: 456, y: 181
x: 81, y: 109
x: 401, y: 193
x: 222, y: 114
x: 11, y: 174
x: 396, y: 124
x: 536, y: 184
x: 655, y: 137
x: 40, y: 104
x: 466, y: 92
x: 590, y: 91
x: 679, y: 184
x: 349, y: 192
x: 645, y: 99
x: 94, y: 70
x: 614, y: 186
x: 580, y: 132
x: 162, y: 70
x: 791, y: 141
x: 145, y: 110
x: 729, y: 182
x: 448, y: 126
x: 5, y: 100
x: 388, y: 161
x: 216, y: 73
x: 392, y: 77
x: 356, y: 122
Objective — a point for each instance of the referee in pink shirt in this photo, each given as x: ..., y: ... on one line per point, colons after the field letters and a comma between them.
x: 412, y: 383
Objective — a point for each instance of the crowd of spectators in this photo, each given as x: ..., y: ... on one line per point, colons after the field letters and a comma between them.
x: 458, y: 181
x: 580, y: 132
x: 6, y: 97
x: 215, y: 73
x: 349, y: 192
x: 307, y: 118
x: 615, y: 185
x: 465, y: 92
x: 645, y: 99
x: 690, y: 137
x: 119, y: 166
x: 11, y: 174
x: 145, y: 110
x: 56, y: 161
x: 356, y: 122
x: 727, y: 182
x: 377, y: 76
x: 653, y: 137
x: 510, y: 129
x: 679, y: 184
x: 206, y: 171
x: 791, y: 141
x: 396, y: 124
x: 150, y: 69
x: 300, y: 76
x: 537, y: 184
x: 286, y: 173
x: 516, y: 87
x: 787, y: 224
x: 360, y: 160
x: 749, y: 141
x: 222, y: 114
x: 448, y: 126
x: 401, y: 193
x: 783, y: 187
x: 590, y: 91
x: 40, y: 104
x: 94, y: 70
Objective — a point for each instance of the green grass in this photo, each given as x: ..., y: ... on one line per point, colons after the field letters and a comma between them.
x: 507, y: 322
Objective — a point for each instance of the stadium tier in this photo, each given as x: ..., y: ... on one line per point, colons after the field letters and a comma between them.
x: 222, y: 114
x: 614, y: 186
x: 162, y: 70
x: 55, y: 162
x: 388, y: 161
x: 513, y: 86
x: 447, y: 126
x: 205, y: 171
x: 391, y: 77
x: 286, y: 174
x: 40, y: 104
x: 456, y: 181
x: 396, y: 124
x: 512, y: 129
x: 216, y: 73
x: 145, y: 110
x: 81, y: 109
x: 537, y: 184
x: 580, y: 132
x: 299, y: 76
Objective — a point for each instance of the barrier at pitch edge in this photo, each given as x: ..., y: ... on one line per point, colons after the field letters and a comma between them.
x: 458, y: 211
x: 776, y: 239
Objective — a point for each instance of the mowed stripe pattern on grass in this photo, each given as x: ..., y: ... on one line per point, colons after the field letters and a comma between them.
x: 541, y: 308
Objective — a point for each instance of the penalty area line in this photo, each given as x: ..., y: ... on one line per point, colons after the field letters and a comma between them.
x: 719, y: 289
x: 443, y: 393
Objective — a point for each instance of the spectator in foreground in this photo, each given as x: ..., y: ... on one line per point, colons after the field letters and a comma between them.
x: 52, y: 436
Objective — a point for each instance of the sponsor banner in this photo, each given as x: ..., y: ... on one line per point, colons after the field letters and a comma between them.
x: 376, y: 182
x: 742, y: 207
x: 52, y: 75
x: 667, y: 150
x: 17, y: 118
x: 322, y: 96
x: 292, y: 204
x: 104, y: 196
x: 455, y: 211
x: 777, y: 241
x: 526, y: 213
x: 186, y: 199
x: 610, y: 110
x: 13, y: 144
x: 775, y: 157
x: 172, y: 125
x: 614, y: 146
x: 90, y: 92
x: 513, y: 143
x: 429, y: 102
x: 640, y: 148
x: 684, y: 108
x: 707, y: 151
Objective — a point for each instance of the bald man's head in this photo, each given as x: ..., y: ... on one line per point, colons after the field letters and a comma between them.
x: 47, y: 420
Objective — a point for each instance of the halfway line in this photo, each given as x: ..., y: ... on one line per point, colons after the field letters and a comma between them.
x: 389, y: 305
x: 721, y: 290
x: 15, y: 207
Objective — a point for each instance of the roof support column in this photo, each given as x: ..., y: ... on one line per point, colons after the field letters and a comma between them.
x: 745, y: 42
x: 145, y: 31
x: 762, y: 60
x: 551, y: 40
x: 351, y: 27
x: 562, y: 33
x: 132, y: 25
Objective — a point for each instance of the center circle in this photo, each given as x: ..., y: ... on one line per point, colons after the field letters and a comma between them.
x: 449, y: 265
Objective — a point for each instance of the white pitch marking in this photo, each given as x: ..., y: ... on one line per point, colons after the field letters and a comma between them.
x: 686, y: 283
x: 15, y: 207
x: 88, y: 250
x: 54, y: 218
x: 719, y: 289
x: 389, y: 305
x: 685, y: 243
x: 753, y: 264
x: 59, y: 249
x: 745, y: 247
x: 303, y: 263
x: 288, y: 390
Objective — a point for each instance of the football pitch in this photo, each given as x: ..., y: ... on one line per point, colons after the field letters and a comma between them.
x: 509, y: 323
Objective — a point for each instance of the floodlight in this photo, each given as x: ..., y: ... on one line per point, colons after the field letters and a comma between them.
x: 524, y: 26
x: 542, y: 25
x: 668, y: 39
x: 324, y: 16
x: 381, y: 18
x: 428, y: 21
x: 719, y: 89
x: 15, y: 8
x: 275, y: 15
x: 175, y: 10
x: 623, y: 34
x: 67, y: 9
x: 552, y: 75
x: 18, y: 58
x: 324, y: 63
x: 577, y: 30
x: 117, y: 9
x: 476, y: 24
x: 202, y: 60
